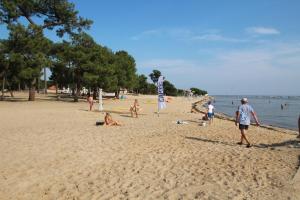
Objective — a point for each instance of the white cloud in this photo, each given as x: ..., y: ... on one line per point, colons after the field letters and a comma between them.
x: 267, y: 69
x: 216, y: 37
x: 184, y: 34
x: 147, y: 33
x: 262, y: 31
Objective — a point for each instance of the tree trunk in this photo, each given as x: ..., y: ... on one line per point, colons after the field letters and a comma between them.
x: 32, y: 88
x: 38, y: 85
x: 31, y: 94
x: 95, y: 93
x: 3, y: 86
x: 56, y: 88
x: 11, y: 93
x: 117, y: 93
x: 45, y: 81
x: 77, y: 93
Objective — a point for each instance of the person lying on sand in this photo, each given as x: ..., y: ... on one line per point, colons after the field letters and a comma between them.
x: 135, y: 108
x: 109, y: 121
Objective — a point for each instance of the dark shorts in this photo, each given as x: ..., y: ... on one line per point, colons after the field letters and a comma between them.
x: 242, y: 126
x: 210, y: 115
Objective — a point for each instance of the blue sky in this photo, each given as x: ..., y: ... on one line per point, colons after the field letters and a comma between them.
x: 225, y: 47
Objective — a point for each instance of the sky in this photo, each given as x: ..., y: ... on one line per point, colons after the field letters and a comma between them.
x: 225, y: 47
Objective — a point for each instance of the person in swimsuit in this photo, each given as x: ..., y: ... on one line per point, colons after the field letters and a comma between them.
x: 135, y: 108
x: 90, y: 101
x: 109, y: 121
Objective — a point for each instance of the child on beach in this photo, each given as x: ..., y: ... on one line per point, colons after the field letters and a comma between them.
x: 243, y: 116
x: 135, y: 108
x: 210, y: 112
x: 109, y: 121
x: 90, y: 101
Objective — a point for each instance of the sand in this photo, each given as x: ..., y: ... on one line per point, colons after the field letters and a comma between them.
x: 53, y: 150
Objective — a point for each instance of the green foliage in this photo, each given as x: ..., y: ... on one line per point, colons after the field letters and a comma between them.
x: 78, y: 62
x: 92, y: 65
x: 155, y: 75
x: 28, y: 52
x: 3, y: 57
x: 180, y: 92
x: 125, y: 69
x: 72, y: 62
x: 151, y: 88
x: 143, y: 87
x: 169, y: 89
x: 27, y: 45
x: 58, y: 14
x: 197, y: 91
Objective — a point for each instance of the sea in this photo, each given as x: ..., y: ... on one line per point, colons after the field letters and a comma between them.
x: 278, y: 111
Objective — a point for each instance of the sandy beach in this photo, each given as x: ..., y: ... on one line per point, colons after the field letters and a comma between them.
x: 53, y: 150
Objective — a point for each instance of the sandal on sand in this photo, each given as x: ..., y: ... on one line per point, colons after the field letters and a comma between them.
x: 239, y: 143
x: 249, y: 145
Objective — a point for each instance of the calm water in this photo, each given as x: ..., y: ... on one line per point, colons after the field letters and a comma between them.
x: 268, y: 108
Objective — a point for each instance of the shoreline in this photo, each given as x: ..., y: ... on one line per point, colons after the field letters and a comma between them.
x: 295, y: 181
x: 199, y: 107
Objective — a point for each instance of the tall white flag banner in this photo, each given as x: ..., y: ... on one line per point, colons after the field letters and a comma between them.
x: 160, y: 91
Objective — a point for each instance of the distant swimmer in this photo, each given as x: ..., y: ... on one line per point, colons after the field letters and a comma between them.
x: 232, y: 103
x: 281, y: 106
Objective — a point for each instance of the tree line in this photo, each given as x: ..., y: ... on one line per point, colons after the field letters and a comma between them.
x: 77, y: 61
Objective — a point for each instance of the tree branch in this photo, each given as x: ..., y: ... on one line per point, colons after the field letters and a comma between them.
x: 25, y: 14
x: 52, y: 24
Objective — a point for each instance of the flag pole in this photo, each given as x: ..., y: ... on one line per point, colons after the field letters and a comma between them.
x: 158, y: 108
x: 100, y: 100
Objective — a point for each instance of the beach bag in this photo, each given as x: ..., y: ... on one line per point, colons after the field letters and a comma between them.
x: 99, y: 123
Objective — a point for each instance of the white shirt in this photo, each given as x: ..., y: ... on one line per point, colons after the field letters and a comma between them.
x: 210, y: 108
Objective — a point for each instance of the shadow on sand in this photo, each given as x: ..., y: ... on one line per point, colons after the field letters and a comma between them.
x: 211, y: 141
x: 288, y: 143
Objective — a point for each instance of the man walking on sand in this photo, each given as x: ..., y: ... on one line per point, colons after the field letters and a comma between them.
x: 243, y: 116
